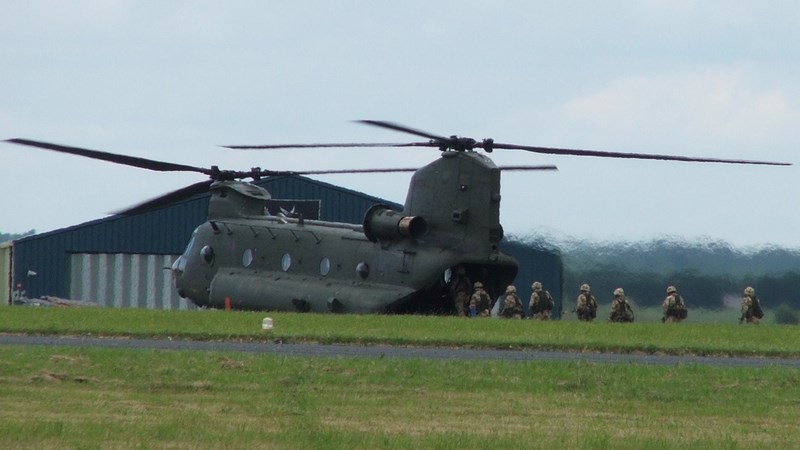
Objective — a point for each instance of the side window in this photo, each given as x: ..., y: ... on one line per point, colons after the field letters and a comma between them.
x: 362, y: 269
x: 324, y: 266
x: 247, y: 257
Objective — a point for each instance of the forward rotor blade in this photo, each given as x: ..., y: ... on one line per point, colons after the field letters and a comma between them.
x: 403, y: 129
x: 335, y: 145
x: 346, y: 171
x: 171, y: 197
x: 601, y: 154
x: 143, y: 163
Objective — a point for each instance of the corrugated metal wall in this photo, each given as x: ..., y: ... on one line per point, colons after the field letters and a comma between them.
x: 125, y: 280
x: 6, y: 250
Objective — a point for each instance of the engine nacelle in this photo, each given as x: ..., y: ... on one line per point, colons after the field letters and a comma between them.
x: 381, y: 222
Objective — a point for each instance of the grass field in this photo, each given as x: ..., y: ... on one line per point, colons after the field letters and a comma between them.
x: 59, y: 397
x: 684, y: 338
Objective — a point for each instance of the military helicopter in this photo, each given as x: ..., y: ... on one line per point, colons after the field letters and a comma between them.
x: 396, y: 261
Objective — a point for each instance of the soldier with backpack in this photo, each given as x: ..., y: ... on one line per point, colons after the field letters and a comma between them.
x: 674, y: 307
x: 480, y: 303
x: 586, y: 309
x: 461, y: 290
x: 751, y: 307
x: 541, y: 303
x: 621, y: 310
x: 512, y: 305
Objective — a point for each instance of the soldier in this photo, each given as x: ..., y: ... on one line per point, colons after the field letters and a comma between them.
x: 541, y: 303
x: 512, y: 306
x: 673, y: 306
x: 586, y: 308
x: 480, y: 303
x: 621, y: 310
x: 20, y: 297
x: 460, y: 290
x: 751, y: 307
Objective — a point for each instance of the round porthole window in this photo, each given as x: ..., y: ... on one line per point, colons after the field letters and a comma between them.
x: 324, y: 266
x: 207, y: 252
x: 286, y: 261
x: 247, y: 257
x: 362, y: 269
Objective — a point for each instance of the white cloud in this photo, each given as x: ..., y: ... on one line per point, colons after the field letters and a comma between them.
x: 716, y: 108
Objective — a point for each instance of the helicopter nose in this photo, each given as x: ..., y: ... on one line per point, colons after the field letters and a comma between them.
x: 178, y: 266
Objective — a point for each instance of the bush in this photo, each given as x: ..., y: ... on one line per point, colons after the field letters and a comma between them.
x: 786, y: 315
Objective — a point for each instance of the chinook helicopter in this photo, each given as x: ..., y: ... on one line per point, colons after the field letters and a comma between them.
x: 243, y: 257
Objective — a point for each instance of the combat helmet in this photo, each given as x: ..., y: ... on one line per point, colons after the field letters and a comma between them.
x: 536, y: 285
x: 749, y: 291
x: 585, y: 288
x: 671, y: 290
x: 618, y: 292
x: 477, y: 285
x: 511, y: 288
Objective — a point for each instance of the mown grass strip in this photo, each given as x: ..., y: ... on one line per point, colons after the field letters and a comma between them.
x: 56, y: 397
x: 686, y: 338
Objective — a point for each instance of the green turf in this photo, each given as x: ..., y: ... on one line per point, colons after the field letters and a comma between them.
x: 85, y: 398
x: 651, y: 337
x: 100, y: 398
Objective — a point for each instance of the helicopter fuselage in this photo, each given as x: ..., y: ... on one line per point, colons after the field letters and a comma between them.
x: 393, y: 262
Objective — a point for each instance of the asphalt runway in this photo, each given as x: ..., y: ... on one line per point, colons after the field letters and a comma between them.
x: 361, y: 351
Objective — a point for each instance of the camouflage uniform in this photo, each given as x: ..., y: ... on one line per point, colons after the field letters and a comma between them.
x: 460, y: 290
x: 621, y: 310
x: 480, y: 303
x: 586, y: 308
x: 512, y: 306
x: 673, y: 307
x: 751, y: 307
x: 541, y: 303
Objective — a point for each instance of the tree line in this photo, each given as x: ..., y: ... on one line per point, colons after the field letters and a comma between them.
x: 710, y: 274
x: 11, y: 236
x: 712, y: 291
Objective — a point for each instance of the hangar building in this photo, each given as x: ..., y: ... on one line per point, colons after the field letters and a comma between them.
x: 124, y: 261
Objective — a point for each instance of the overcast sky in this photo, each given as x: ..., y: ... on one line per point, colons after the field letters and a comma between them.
x: 172, y: 80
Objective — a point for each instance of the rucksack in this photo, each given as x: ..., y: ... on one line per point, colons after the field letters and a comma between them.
x: 627, y: 312
x: 678, y: 308
x: 545, y: 301
x: 591, y: 304
x: 755, y: 309
x: 589, y: 311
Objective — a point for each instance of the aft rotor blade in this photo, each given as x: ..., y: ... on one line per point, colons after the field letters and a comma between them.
x: 171, y: 197
x: 523, y: 168
x: 403, y: 129
x: 399, y: 170
x: 601, y: 154
x: 134, y: 161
